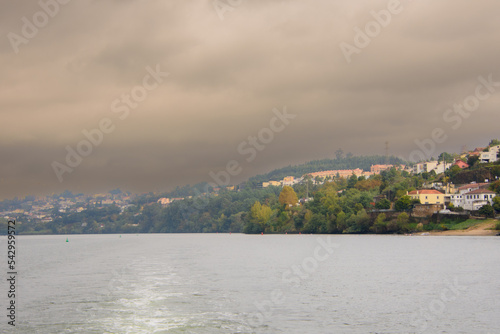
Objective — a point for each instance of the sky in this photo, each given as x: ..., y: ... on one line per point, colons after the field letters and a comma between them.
x: 148, y: 95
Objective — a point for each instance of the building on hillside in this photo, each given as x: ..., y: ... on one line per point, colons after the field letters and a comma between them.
x: 433, y: 185
x: 442, y: 167
x: 305, y: 200
x: 288, y: 181
x: 427, y: 196
x: 461, y: 164
x: 457, y: 197
x: 367, y: 174
x: 376, y: 169
x: 271, y: 183
x: 472, y: 186
x: 492, y: 155
x: 343, y: 173
x: 477, y: 151
x: 475, y: 199
x: 418, y: 168
x: 408, y: 169
x: 429, y: 166
x: 164, y: 201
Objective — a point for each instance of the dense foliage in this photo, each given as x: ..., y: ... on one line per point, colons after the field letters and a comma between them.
x: 353, y: 205
x: 340, y: 162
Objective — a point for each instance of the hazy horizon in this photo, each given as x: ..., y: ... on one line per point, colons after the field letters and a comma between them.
x: 179, y: 90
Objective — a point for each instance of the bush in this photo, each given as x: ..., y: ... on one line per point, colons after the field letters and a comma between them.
x: 383, y: 204
x: 380, y: 225
x: 487, y: 211
x: 403, y: 204
x: 497, y: 227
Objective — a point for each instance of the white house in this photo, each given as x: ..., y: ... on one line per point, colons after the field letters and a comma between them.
x: 438, y: 167
x: 442, y: 167
x: 289, y: 181
x: 475, y: 199
x: 491, y: 156
x: 418, y: 168
x: 458, y: 199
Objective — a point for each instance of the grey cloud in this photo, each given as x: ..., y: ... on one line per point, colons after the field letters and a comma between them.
x: 226, y: 77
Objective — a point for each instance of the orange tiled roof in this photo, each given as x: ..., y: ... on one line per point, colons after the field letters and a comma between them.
x: 480, y: 191
x: 425, y: 192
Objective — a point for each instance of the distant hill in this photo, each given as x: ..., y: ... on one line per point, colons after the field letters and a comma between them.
x: 349, y: 162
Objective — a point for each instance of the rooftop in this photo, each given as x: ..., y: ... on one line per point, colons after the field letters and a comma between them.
x: 425, y: 192
x: 472, y: 185
x: 480, y: 191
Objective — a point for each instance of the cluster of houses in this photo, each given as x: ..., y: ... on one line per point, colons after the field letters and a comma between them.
x: 470, y: 197
x: 346, y: 173
x: 485, y: 155
x: 340, y: 173
x: 165, y: 201
x: 41, y: 209
x: 436, y: 166
x: 287, y: 181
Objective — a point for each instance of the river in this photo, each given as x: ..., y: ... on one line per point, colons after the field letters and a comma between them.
x: 235, y: 283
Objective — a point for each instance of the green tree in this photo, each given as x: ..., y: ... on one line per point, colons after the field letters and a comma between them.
x: 358, y: 207
x: 403, y: 204
x: 383, y: 204
x: 341, y: 221
x: 446, y: 157
x: 454, y: 170
x: 359, y: 222
x: 472, y: 160
x: 260, y: 215
x: 339, y: 154
x: 487, y: 210
x: 496, y: 203
x: 317, y: 224
x: 495, y: 171
x: 380, y: 225
x: 494, y: 142
x: 288, y: 197
x: 403, y: 218
x: 353, y: 179
x: 330, y: 199
x: 495, y: 186
x: 366, y: 199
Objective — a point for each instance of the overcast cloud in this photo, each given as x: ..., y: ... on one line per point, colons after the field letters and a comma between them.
x: 225, y: 78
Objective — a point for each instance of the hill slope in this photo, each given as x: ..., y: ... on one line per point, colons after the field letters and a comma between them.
x: 350, y: 162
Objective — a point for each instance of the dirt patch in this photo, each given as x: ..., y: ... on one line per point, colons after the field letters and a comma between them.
x: 481, y: 229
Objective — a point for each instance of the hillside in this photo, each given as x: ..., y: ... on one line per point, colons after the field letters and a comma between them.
x: 347, y: 162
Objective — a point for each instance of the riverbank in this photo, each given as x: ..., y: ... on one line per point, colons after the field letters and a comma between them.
x: 486, y: 228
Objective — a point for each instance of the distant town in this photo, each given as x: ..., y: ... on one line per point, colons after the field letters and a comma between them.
x: 435, y: 194
x: 469, y: 196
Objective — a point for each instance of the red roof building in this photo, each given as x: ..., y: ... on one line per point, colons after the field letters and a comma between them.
x: 461, y: 164
x: 425, y: 192
x: 427, y: 196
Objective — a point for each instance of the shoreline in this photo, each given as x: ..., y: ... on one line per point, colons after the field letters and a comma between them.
x: 482, y: 229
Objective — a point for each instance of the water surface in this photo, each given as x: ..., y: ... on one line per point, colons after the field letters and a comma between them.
x: 222, y: 283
